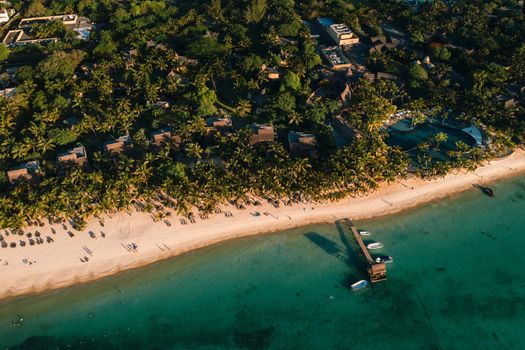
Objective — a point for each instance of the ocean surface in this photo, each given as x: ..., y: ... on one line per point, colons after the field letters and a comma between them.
x: 457, y: 282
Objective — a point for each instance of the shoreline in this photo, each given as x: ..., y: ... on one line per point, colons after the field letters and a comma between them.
x: 57, y: 265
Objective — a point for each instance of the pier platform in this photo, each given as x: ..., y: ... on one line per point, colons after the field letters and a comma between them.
x: 376, y: 271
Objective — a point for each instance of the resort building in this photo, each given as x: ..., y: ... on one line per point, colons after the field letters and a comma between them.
x: 73, y: 157
x: 6, y: 12
x: 222, y: 124
x: 119, y: 145
x: 262, y: 133
x: 342, y: 35
x: 4, y: 15
x: 336, y: 58
x: 346, y: 95
x: 343, y: 129
x: 510, y: 103
x: 302, y: 144
x: 25, y: 172
x: 383, y: 44
x: 162, y: 104
x: 71, y: 121
x: 384, y: 75
x: 8, y: 93
x: 165, y: 136
x: 22, y: 36
x: 272, y: 73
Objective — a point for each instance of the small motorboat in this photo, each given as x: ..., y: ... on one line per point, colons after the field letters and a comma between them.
x: 376, y: 245
x: 359, y: 285
x: 488, y: 191
x: 384, y: 259
x: 364, y: 233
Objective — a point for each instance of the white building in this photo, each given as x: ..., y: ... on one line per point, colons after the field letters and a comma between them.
x: 4, y: 15
x: 8, y: 92
x: 23, y: 35
x: 342, y: 35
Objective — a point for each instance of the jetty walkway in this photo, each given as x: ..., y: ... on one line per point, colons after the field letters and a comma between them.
x: 376, y: 271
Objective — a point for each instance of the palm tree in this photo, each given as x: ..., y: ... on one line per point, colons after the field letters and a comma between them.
x: 194, y: 150
x: 295, y: 118
x: 244, y: 107
x: 440, y: 138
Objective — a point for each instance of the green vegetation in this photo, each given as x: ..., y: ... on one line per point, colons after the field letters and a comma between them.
x: 206, y: 57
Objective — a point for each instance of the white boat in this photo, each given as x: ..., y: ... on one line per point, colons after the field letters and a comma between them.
x: 359, y: 285
x: 364, y: 233
x: 377, y: 245
x: 384, y: 259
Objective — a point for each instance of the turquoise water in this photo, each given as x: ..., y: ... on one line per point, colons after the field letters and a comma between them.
x: 456, y: 283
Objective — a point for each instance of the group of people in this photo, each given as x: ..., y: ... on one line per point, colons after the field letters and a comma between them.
x: 28, y: 262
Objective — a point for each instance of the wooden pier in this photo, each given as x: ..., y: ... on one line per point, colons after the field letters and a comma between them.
x: 376, y: 271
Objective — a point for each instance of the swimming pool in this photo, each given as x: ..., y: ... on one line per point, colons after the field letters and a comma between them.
x: 407, y: 138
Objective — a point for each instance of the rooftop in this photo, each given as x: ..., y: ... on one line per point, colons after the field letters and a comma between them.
x: 165, y: 135
x: 219, y: 122
x: 29, y: 22
x: 336, y: 57
x: 8, y: 92
x: 262, y: 133
x: 26, y: 171
x: 302, y: 144
x: 76, y: 156
x: 341, y: 29
x: 302, y: 138
x: 341, y: 34
x: 119, y: 145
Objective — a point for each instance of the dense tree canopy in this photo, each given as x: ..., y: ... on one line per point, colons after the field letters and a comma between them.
x: 171, y: 64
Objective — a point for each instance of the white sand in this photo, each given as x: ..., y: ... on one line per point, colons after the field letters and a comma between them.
x: 58, y: 264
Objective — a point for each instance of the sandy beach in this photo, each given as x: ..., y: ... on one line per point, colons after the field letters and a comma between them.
x: 130, y: 240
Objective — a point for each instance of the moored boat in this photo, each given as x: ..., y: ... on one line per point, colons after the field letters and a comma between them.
x: 488, y: 191
x: 364, y: 233
x: 376, y: 245
x: 359, y: 285
x: 384, y: 259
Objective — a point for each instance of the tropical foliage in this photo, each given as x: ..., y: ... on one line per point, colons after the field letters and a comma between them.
x: 207, y: 58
